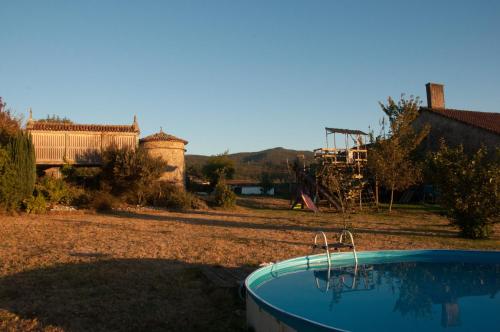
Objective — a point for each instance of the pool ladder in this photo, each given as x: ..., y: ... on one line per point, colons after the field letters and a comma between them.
x: 337, y: 246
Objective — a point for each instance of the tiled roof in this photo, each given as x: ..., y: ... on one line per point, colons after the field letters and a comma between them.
x: 484, y: 120
x: 161, y: 136
x: 60, y: 126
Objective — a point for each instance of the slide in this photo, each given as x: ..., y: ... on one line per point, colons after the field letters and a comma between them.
x: 308, y: 202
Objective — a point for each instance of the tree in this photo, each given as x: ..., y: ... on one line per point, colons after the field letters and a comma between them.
x: 22, y: 154
x: 17, y: 171
x: 10, y: 124
x: 266, y: 182
x: 17, y: 161
x: 7, y: 181
x: 391, y: 156
x: 55, y: 119
x: 469, y: 188
x: 218, y: 167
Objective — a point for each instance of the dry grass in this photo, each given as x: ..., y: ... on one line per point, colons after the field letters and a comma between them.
x: 141, y: 270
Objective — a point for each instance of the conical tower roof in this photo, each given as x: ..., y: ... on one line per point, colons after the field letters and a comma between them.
x: 162, y: 136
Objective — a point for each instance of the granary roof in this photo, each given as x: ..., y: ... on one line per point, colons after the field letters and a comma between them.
x: 484, y: 120
x: 69, y: 126
x: 60, y: 126
x: 161, y: 136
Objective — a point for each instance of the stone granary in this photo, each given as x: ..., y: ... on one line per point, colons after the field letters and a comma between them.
x: 60, y: 142
x: 468, y: 128
x: 171, y: 149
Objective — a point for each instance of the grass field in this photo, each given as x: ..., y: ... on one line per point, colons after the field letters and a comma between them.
x: 141, y: 270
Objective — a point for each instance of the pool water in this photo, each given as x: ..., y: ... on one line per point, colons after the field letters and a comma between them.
x: 408, y: 295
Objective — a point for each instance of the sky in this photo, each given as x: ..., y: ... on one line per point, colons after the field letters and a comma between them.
x: 244, y: 75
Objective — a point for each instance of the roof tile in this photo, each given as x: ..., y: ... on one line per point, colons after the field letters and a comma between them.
x: 59, y: 126
x: 161, y: 136
x: 483, y: 120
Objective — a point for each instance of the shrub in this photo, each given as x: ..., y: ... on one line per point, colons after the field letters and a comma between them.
x: 129, y: 173
x: 103, y: 201
x: 469, y: 188
x: 86, y: 177
x: 224, y: 196
x: 35, y: 204
x: 170, y: 196
x: 81, y: 198
x: 55, y: 191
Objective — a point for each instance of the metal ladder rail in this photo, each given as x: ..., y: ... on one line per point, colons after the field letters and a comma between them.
x: 324, y: 246
x: 341, y: 238
x: 344, y: 234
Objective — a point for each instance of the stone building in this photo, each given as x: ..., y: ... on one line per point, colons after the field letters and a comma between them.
x: 59, y: 142
x: 171, y: 149
x: 469, y: 128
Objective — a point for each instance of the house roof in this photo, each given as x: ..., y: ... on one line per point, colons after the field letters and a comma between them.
x: 61, y: 126
x: 161, y: 136
x: 242, y: 182
x: 484, y: 120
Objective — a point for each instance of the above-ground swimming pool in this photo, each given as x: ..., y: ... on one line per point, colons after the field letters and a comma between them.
x: 415, y: 290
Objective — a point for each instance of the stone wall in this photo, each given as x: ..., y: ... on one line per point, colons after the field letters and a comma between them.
x: 455, y: 133
x: 173, y: 153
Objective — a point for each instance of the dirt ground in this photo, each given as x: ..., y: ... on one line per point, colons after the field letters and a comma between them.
x: 142, y: 270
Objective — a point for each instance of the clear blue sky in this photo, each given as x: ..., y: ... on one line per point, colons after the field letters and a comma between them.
x: 244, y: 75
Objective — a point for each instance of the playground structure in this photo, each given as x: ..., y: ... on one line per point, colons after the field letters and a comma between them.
x: 338, y: 176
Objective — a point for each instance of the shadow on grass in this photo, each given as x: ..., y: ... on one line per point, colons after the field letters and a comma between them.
x: 337, y: 227
x: 419, y: 208
x: 289, y: 214
x: 262, y: 203
x: 123, y: 295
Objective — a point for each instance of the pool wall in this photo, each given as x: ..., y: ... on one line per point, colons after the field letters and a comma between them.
x: 265, y: 317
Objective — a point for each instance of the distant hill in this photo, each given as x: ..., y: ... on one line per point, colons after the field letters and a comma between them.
x: 249, y: 165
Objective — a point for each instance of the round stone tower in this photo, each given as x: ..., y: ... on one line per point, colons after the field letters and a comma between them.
x: 171, y: 149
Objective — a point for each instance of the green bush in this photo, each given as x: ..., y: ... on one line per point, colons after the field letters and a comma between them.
x: 224, y: 196
x: 469, y: 188
x: 172, y: 197
x: 35, y: 204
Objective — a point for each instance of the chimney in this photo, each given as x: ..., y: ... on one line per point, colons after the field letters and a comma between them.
x: 435, y: 95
